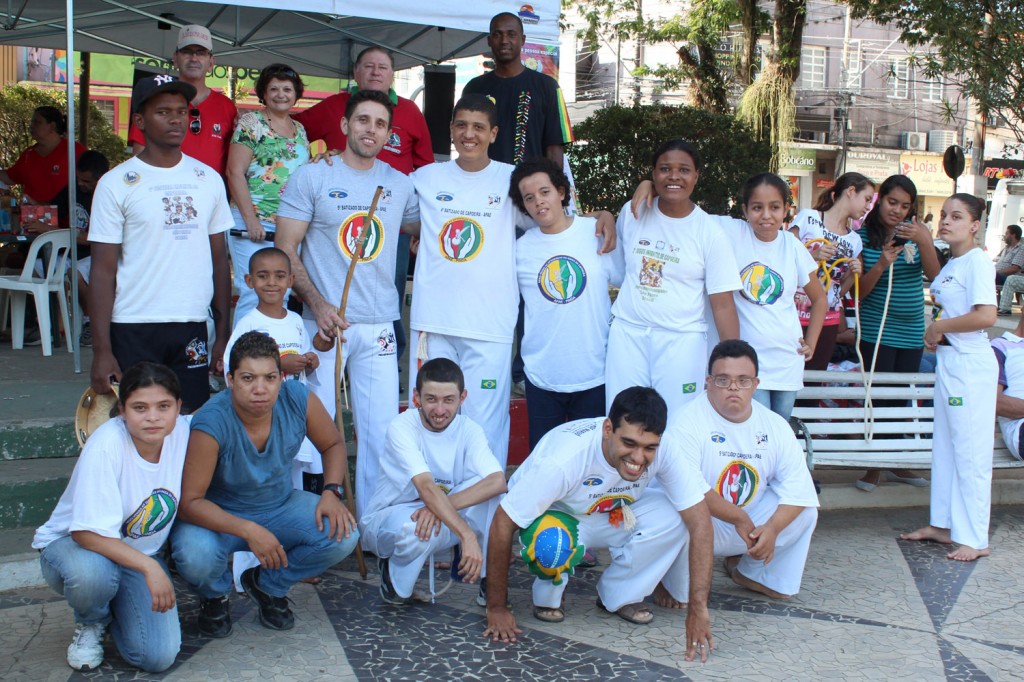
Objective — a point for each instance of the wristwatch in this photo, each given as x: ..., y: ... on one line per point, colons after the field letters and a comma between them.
x: 336, y: 489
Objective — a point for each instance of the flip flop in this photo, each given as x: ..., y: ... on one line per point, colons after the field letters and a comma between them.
x: 637, y: 613
x: 915, y: 481
x: 548, y: 614
x: 314, y: 580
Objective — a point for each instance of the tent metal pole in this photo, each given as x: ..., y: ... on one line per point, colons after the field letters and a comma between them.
x: 72, y: 186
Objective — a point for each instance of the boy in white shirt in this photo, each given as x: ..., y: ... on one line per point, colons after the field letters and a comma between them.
x: 437, y: 475
x: 762, y: 498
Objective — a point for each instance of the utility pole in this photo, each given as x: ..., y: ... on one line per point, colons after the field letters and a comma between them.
x: 845, y: 95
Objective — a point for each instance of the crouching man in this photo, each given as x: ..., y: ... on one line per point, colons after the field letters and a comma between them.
x: 762, y: 497
x: 437, y: 475
x: 585, y: 485
x: 236, y: 491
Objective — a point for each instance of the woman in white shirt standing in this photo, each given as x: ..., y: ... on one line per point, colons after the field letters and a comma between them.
x: 772, y: 264
x: 100, y: 547
x: 564, y: 282
x: 831, y: 220
x: 965, y: 386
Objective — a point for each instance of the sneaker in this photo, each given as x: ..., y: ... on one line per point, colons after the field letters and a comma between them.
x: 481, y: 596
x: 1004, y: 313
x: 274, y: 611
x: 85, y: 338
x: 387, y: 590
x: 32, y: 338
x: 214, y: 619
x: 86, y: 650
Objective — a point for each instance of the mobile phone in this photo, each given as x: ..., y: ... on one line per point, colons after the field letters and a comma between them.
x: 901, y: 241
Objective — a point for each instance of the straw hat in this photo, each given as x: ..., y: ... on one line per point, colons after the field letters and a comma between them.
x: 92, y: 412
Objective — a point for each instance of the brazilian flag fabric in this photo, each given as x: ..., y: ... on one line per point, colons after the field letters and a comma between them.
x: 551, y: 546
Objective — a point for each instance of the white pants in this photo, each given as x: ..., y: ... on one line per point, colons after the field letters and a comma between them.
x: 673, y: 363
x: 369, y: 355
x: 783, y: 574
x: 391, y: 533
x: 962, y: 444
x: 640, y: 557
x: 487, y: 366
x: 242, y: 249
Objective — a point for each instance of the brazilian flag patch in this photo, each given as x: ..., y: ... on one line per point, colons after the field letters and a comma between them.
x: 689, y: 388
x: 489, y: 383
x: 956, y: 401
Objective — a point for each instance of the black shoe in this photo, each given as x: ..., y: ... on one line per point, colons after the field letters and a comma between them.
x: 1004, y: 313
x: 274, y: 611
x: 214, y: 618
x: 387, y: 590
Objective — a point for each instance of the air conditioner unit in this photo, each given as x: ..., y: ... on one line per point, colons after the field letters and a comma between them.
x: 912, y: 141
x: 940, y: 140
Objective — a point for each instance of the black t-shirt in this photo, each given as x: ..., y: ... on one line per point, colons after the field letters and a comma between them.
x: 84, y: 200
x: 531, y: 114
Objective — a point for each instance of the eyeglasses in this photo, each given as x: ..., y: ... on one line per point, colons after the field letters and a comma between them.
x: 195, y: 126
x: 201, y: 52
x: 725, y: 381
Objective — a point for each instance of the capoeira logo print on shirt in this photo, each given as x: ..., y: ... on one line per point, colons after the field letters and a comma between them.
x: 152, y: 516
x: 352, y: 229
x: 651, y: 270
x: 461, y: 239
x: 761, y: 284
x: 738, y: 482
x: 562, y: 279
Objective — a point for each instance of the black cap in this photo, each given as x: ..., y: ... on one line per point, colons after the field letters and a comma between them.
x: 150, y: 86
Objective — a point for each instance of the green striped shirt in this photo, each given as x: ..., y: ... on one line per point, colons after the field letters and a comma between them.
x: 904, y: 323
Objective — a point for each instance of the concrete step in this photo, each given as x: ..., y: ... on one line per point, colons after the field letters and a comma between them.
x: 37, y: 438
x: 30, y: 488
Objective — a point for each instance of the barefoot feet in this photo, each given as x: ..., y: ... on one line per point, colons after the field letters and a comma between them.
x: 965, y: 553
x: 932, y: 533
x: 743, y: 581
x: 665, y: 600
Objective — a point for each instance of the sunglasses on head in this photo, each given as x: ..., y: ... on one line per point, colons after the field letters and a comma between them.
x: 195, y: 125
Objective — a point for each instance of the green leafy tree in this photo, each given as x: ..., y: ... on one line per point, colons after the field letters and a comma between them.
x: 980, y: 43
x: 614, y: 147
x: 17, y: 102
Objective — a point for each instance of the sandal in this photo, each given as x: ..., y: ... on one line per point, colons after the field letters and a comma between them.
x: 637, y: 613
x: 314, y: 580
x: 548, y: 614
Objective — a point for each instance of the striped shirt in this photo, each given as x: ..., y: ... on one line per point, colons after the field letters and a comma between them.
x: 904, y: 322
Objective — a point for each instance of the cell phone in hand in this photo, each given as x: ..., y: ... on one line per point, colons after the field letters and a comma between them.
x: 901, y: 241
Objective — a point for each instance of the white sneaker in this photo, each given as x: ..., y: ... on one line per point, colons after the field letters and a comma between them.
x: 86, y: 650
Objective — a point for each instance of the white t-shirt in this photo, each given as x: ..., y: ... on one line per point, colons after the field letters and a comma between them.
x: 670, y: 265
x: 1010, y: 352
x: 770, y: 273
x: 964, y: 282
x: 848, y: 245
x: 288, y: 332
x: 465, y: 281
x: 739, y: 460
x: 163, y: 219
x: 115, y: 493
x: 568, y: 472
x: 335, y: 200
x: 564, y: 283
x: 452, y: 457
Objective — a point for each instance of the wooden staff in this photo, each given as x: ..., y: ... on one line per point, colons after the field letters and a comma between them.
x: 356, y: 256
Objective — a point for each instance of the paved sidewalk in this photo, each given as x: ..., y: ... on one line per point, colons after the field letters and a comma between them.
x: 871, y: 608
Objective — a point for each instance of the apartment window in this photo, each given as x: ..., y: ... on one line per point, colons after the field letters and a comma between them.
x: 853, y: 75
x: 812, y: 68
x: 899, y: 79
x: 932, y: 90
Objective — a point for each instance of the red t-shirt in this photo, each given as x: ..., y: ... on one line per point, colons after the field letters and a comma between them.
x: 408, y: 146
x: 42, y: 177
x: 217, y: 114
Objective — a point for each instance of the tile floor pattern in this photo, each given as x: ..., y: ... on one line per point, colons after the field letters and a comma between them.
x: 872, y: 607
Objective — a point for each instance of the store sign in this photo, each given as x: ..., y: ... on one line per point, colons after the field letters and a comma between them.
x: 799, y: 160
x: 877, y: 164
x: 997, y: 169
x: 925, y: 170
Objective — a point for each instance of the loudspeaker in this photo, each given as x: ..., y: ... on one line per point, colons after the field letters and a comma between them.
x: 438, y: 104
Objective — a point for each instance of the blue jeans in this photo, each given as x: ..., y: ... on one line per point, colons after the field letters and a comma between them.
x: 201, y: 554
x: 779, y: 402
x: 546, y: 410
x: 101, y: 591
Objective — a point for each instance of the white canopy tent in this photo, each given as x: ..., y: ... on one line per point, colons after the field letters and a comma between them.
x: 316, y: 37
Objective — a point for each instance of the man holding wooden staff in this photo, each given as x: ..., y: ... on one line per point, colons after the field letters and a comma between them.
x: 325, y: 208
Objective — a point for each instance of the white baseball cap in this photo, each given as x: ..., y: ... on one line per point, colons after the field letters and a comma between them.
x: 194, y: 34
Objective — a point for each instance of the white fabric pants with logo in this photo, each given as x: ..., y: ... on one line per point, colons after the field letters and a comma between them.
x: 673, y: 363
x: 391, y: 534
x: 487, y: 367
x: 962, y: 444
x: 640, y: 557
x: 369, y: 355
x: 783, y: 574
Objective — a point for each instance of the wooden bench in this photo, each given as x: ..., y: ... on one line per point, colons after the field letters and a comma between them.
x: 902, y: 436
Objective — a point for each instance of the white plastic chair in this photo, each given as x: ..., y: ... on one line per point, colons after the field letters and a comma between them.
x: 20, y: 286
